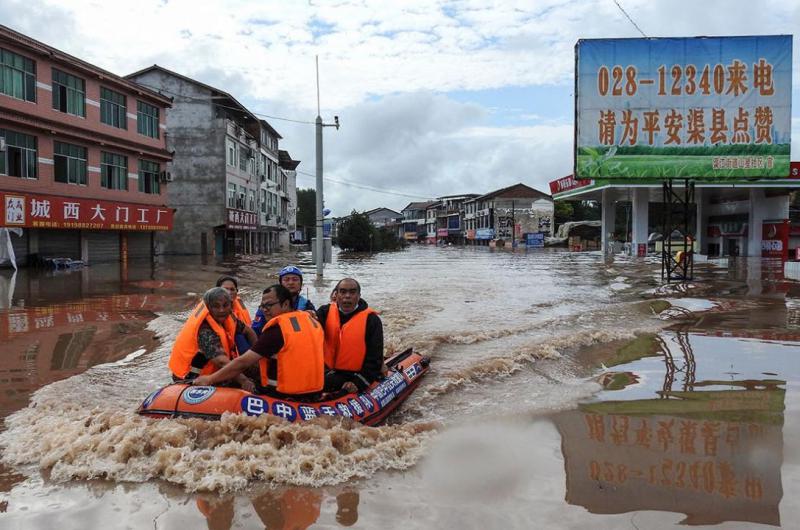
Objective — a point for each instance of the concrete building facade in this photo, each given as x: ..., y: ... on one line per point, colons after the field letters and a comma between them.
x: 413, y: 224
x: 507, y: 214
x: 289, y: 197
x: 226, y: 184
x: 83, y: 158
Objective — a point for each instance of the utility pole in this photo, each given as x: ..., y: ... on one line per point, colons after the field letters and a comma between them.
x: 320, y: 246
x: 513, y: 226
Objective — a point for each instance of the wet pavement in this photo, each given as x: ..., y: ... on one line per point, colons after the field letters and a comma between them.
x: 566, y: 390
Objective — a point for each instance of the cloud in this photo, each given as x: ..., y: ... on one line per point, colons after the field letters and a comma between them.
x: 430, y: 145
x: 390, y: 70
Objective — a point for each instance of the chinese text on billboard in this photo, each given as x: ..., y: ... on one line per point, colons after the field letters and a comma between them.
x: 699, y: 107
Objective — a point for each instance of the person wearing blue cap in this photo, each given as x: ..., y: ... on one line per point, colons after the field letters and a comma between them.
x: 290, y: 277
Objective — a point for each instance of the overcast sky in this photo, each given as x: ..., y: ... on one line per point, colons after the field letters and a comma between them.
x: 434, y: 97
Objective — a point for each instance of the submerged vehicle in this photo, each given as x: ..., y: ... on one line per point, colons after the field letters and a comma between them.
x: 370, y: 407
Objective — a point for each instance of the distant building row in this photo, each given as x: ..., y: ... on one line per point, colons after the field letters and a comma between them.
x: 505, y: 214
x: 87, y: 159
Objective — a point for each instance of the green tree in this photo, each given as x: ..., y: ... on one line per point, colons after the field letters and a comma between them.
x: 306, y: 209
x: 563, y: 212
x: 356, y: 233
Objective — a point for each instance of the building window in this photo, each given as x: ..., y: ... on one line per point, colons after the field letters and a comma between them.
x: 69, y: 93
x: 19, y: 158
x: 147, y: 119
x: 263, y: 201
x: 240, y: 197
x: 114, y: 171
x: 231, y: 195
x: 242, y: 158
x: 70, y: 163
x: 262, y: 168
x: 148, y: 177
x: 113, y: 108
x: 232, y: 152
x: 251, y: 196
x: 17, y: 76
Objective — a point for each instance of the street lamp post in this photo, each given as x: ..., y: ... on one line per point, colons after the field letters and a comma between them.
x: 320, y: 247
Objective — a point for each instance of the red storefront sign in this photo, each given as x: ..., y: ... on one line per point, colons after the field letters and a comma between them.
x: 242, y: 220
x: 441, y: 232
x: 794, y: 170
x: 568, y: 183
x: 25, y: 210
x: 775, y: 239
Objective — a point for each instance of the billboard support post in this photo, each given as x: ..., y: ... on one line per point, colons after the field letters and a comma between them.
x: 677, y: 218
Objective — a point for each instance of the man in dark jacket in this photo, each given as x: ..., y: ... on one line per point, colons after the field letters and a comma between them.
x: 353, y: 340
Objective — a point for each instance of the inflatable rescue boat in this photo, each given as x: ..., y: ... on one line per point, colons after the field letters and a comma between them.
x: 369, y: 407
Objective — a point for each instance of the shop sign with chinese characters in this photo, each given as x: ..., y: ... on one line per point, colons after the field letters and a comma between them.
x: 705, y: 107
x: 568, y: 183
x: 241, y: 220
x: 26, y: 210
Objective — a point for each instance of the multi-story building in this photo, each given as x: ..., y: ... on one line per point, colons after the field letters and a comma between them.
x: 413, y: 227
x: 450, y: 218
x: 83, y: 157
x: 272, y: 190
x: 431, y: 212
x: 226, y: 181
x: 507, y: 214
x: 383, y: 217
x: 289, y: 200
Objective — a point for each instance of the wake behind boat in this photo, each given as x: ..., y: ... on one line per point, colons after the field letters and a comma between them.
x: 369, y: 407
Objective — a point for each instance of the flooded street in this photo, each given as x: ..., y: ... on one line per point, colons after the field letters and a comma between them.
x: 565, y: 392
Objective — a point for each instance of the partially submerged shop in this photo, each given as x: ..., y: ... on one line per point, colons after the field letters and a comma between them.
x: 49, y: 227
x: 694, y: 135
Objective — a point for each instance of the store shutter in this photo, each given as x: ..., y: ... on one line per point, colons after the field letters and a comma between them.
x: 139, y: 245
x: 103, y: 246
x: 60, y: 244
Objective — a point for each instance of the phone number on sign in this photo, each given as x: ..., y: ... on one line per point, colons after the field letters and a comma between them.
x: 735, y: 78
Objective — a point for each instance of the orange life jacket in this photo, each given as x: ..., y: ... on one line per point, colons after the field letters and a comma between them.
x: 346, y: 346
x: 187, y: 346
x: 241, y: 312
x: 301, y: 366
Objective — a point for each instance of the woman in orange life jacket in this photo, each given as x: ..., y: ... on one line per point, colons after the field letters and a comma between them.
x: 230, y: 284
x: 353, y: 340
x: 206, y: 342
x: 289, y: 351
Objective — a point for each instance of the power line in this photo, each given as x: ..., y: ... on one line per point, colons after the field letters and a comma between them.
x: 364, y: 186
x: 629, y: 18
x: 212, y: 100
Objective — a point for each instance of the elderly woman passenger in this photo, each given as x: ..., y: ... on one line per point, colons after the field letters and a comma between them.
x: 207, y: 341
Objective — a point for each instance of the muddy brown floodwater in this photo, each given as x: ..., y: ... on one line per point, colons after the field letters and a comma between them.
x: 565, y: 392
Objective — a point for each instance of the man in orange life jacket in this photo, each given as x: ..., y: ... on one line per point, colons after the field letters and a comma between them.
x: 207, y: 340
x: 288, y: 352
x: 353, y: 340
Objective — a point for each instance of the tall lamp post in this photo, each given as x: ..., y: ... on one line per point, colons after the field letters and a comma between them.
x: 320, y: 247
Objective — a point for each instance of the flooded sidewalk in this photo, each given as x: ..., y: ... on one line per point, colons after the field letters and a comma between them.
x: 565, y: 391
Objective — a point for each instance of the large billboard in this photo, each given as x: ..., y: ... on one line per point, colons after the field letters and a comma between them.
x: 704, y: 107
